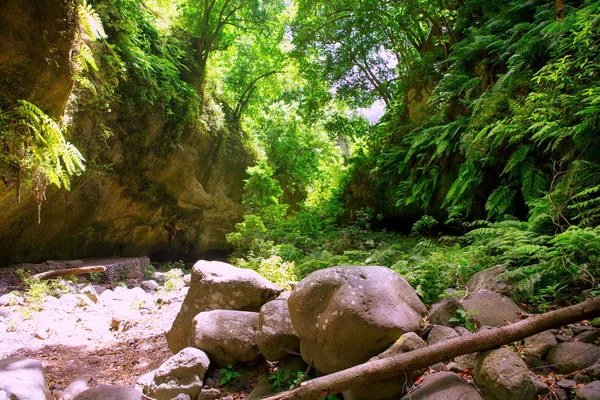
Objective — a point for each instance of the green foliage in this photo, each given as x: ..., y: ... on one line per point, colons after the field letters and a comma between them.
x: 424, y: 226
x: 228, y: 375
x: 464, y: 318
x: 149, y: 272
x: 36, y: 150
x: 283, y: 379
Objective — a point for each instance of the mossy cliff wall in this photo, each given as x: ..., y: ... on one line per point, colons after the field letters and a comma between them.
x: 137, y: 196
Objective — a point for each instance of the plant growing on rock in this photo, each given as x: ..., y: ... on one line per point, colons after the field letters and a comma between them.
x: 228, y: 375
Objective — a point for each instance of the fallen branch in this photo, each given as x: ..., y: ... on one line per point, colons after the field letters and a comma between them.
x: 389, y: 367
x: 69, y: 271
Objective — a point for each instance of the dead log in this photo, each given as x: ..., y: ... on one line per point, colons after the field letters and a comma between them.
x: 69, y: 271
x: 389, y: 367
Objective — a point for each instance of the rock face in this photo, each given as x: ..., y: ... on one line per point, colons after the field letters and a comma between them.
x: 182, y: 373
x: 110, y: 392
x: 491, y: 308
x: 444, y: 386
x: 228, y: 337
x: 23, y: 379
x: 501, y: 374
x: 275, y: 337
x: 346, y: 315
x: 157, y: 198
x: 572, y: 356
x: 218, y: 286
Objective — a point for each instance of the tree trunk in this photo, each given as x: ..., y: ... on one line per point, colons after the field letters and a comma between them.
x: 389, y: 367
x: 69, y: 271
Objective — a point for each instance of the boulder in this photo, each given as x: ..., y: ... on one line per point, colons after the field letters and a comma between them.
x: 79, y: 385
x: 228, y: 337
x: 567, y: 357
x: 501, y: 374
x: 591, y: 391
x: 209, y: 394
x: 219, y: 286
x: 443, y: 386
x: 23, y: 379
x: 110, y: 392
x: 443, y: 311
x: 393, y: 388
x: 346, y: 315
x: 441, y: 333
x: 182, y: 373
x: 149, y: 286
x: 539, y: 345
x: 491, y: 279
x: 276, y: 337
x: 491, y: 308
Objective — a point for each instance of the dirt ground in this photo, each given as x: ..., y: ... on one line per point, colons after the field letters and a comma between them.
x: 82, y: 339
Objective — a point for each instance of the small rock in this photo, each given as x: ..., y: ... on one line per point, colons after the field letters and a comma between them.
x: 442, y: 386
x: 580, y: 378
x: 149, y: 286
x: 591, y: 391
x: 578, y: 329
x: 160, y: 277
x: 211, y: 382
x: 187, y: 279
x: 563, y: 338
x: 539, y: 345
x: 593, y: 372
x: 568, y: 332
x: 561, y: 394
x: 453, y: 367
x: 566, y: 384
x: 134, y: 275
x: 440, y: 333
x: 572, y: 356
x: 99, y: 289
x: 588, y: 336
x: 209, y: 394
x: 541, y: 387
x: 182, y: 396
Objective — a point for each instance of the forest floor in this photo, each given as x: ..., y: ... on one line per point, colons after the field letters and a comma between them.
x: 82, y: 342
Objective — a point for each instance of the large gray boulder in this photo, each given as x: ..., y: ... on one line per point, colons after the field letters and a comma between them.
x: 276, y: 337
x: 500, y: 374
x: 444, y: 386
x: 567, y: 357
x: 491, y: 279
x: 393, y: 388
x: 218, y: 286
x: 182, y: 373
x: 346, y: 315
x: 110, y: 392
x: 23, y: 379
x: 491, y: 308
x: 591, y: 391
x: 228, y: 337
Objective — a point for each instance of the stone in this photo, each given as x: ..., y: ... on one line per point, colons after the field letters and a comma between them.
x: 209, y: 394
x: 79, y: 385
x: 594, y: 371
x: 160, y: 277
x: 182, y: 396
x: 149, y: 286
x: 23, y: 379
x: 580, y: 378
x: 228, y: 337
x: 572, y: 356
x: 99, y: 289
x: 542, y: 388
x: 346, y: 315
x: 443, y: 386
x: 539, y: 345
x: 187, y: 279
x: 441, y: 333
x: 443, y: 311
x: 275, y: 336
x: 90, y: 292
x: 182, y: 373
x: 134, y: 275
x: 588, y: 336
x: 219, y: 286
x: 490, y: 279
x: 393, y: 388
x: 501, y: 374
x: 491, y: 308
x: 591, y: 391
x: 566, y: 384
x: 110, y: 392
